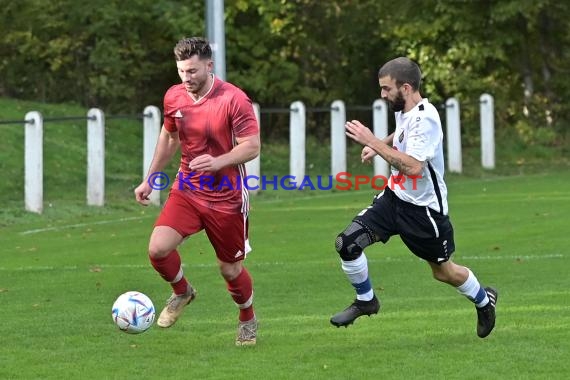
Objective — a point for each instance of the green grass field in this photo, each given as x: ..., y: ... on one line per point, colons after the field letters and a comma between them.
x: 60, y: 276
x: 61, y: 271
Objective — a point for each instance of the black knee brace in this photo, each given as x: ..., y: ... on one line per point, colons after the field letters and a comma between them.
x: 350, y: 243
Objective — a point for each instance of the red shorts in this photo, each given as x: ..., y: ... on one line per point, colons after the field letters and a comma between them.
x: 228, y: 232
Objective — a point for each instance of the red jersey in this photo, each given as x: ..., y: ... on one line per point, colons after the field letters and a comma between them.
x: 210, y: 126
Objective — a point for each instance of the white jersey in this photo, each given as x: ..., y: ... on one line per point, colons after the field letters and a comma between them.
x: 419, y: 134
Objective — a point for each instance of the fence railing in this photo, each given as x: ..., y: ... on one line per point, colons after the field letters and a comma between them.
x: 33, y: 155
x: 151, y: 117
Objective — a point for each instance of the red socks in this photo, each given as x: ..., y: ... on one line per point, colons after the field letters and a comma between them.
x: 170, y: 269
x: 241, y: 290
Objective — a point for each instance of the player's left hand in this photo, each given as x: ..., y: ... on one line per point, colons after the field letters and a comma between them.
x: 359, y: 132
x: 204, y: 163
x: 367, y: 155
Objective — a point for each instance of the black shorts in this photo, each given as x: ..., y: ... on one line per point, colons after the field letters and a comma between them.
x: 426, y: 232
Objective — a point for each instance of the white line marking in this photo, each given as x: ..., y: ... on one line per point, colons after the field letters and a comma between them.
x: 266, y: 263
x: 58, y: 228
x: 79, y: 225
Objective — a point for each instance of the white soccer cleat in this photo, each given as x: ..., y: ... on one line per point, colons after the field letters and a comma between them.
x: 174, y: 307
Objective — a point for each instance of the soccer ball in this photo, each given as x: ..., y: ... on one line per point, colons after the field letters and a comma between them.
x: 133, y: 312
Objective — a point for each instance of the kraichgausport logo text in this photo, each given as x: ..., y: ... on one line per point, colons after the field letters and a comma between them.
x: 342, y: 181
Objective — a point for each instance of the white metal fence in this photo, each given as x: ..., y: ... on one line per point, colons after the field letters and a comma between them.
x: 152, y: 122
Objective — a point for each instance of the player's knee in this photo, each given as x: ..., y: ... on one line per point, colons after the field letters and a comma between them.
x: 230, y: 271
x: 442, y: 273
x: 156, y: 251
x: 158, y: 248
x: 350, y: 243
x: 163, y: 240
x: 347, y: 251
x: 440, y: 276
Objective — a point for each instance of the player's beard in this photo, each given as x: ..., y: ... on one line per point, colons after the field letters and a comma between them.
x: 195, y: 86
x: 398, y: 103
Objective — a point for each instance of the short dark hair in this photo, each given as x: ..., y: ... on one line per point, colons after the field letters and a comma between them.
x: 403, y: 70
x: 188, y: 47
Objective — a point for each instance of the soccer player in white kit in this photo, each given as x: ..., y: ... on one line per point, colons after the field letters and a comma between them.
x: 414, y: 202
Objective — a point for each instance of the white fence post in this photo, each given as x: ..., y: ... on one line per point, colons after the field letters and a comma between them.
x: 487, y: 111
x: 338, y: 137
x: 297, y: 141
x: 95, y: 157
x: 151, y: 125
x: 380, y: 125
x: 453, y: 121
x: 33, y: 162
x: 252, y: 167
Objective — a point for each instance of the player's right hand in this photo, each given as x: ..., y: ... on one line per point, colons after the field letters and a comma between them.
x: 142, y: 193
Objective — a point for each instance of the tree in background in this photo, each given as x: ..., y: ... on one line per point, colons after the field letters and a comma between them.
x: 514, y: 50
x: 114, y: 54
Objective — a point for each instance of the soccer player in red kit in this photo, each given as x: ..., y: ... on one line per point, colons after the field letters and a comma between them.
x: 214, y: 125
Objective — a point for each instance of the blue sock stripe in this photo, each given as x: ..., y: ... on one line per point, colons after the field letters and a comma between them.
x: 481, y: 294
x: 363, y: 287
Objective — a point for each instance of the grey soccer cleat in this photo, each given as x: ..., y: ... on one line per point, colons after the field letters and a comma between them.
x: 247, y: 333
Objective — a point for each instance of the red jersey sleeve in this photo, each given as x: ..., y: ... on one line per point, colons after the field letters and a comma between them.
x: 170, y: 109
x: 244, y: 122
